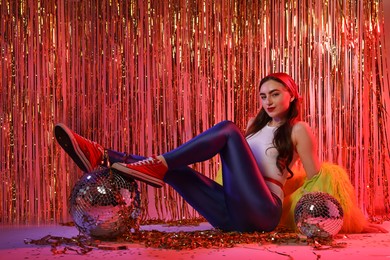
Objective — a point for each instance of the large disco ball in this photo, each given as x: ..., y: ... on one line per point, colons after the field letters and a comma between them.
x: 104, y: 205
x: 318, y: 215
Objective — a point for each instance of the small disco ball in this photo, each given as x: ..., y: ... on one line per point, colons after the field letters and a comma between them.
x: 318, y: 215
x: 104, y: 205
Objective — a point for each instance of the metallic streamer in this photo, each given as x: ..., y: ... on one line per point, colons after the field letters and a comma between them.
x: 146, y: 76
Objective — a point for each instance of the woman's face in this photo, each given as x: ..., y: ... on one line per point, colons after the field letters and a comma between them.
x: 275, y: 99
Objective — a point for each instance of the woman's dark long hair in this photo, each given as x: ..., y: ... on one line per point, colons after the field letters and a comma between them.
x: 282, y: 139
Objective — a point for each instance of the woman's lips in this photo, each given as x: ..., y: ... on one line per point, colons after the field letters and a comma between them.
x: 270, y: 109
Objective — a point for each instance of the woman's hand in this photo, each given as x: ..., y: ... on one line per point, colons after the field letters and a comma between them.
x: 373, y: 228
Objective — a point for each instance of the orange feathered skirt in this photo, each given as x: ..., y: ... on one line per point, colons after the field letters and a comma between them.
x: 332, y: 179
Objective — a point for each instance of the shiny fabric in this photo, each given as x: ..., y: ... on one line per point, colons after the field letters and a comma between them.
x: 243, y: 203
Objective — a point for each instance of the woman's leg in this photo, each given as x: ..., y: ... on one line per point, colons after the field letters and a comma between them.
x: 198, y: 190
x: 202, y: 193
x: 249, y: 202
x: 205, y: 195
x: 244, y: 200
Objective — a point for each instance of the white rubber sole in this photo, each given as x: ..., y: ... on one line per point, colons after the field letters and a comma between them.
x: 66, y: 140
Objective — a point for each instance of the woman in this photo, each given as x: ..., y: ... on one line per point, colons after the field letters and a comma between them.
x: 255, y: 167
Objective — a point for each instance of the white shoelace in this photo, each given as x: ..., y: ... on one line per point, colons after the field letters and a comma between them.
x: 147, y: 161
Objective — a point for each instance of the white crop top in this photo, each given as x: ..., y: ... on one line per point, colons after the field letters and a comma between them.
x: 266, y: 154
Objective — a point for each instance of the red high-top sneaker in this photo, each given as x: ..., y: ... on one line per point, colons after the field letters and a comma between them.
x: 85, y: 153
x: 150, y: 170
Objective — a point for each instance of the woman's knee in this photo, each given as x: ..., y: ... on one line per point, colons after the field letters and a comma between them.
x: 229, y: 126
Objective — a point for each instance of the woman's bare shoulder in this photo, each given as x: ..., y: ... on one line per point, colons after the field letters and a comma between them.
x: 301, y: 127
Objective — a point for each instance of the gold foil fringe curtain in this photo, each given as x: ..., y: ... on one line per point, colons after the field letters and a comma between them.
x: 146, y: 76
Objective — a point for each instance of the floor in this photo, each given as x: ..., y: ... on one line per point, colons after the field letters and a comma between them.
x: 354, y: 246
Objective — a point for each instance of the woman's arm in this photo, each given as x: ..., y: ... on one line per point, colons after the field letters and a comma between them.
x: 306, y: 147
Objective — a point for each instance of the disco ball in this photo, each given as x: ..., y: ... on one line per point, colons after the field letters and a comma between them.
x: 105, y: 205
x: 318, y: 215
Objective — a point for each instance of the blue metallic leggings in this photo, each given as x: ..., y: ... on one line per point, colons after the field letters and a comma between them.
x: 243, y: 203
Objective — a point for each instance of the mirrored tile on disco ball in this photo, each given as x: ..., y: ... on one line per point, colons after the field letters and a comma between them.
x: 103, y: 204
x: 318, y: 214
